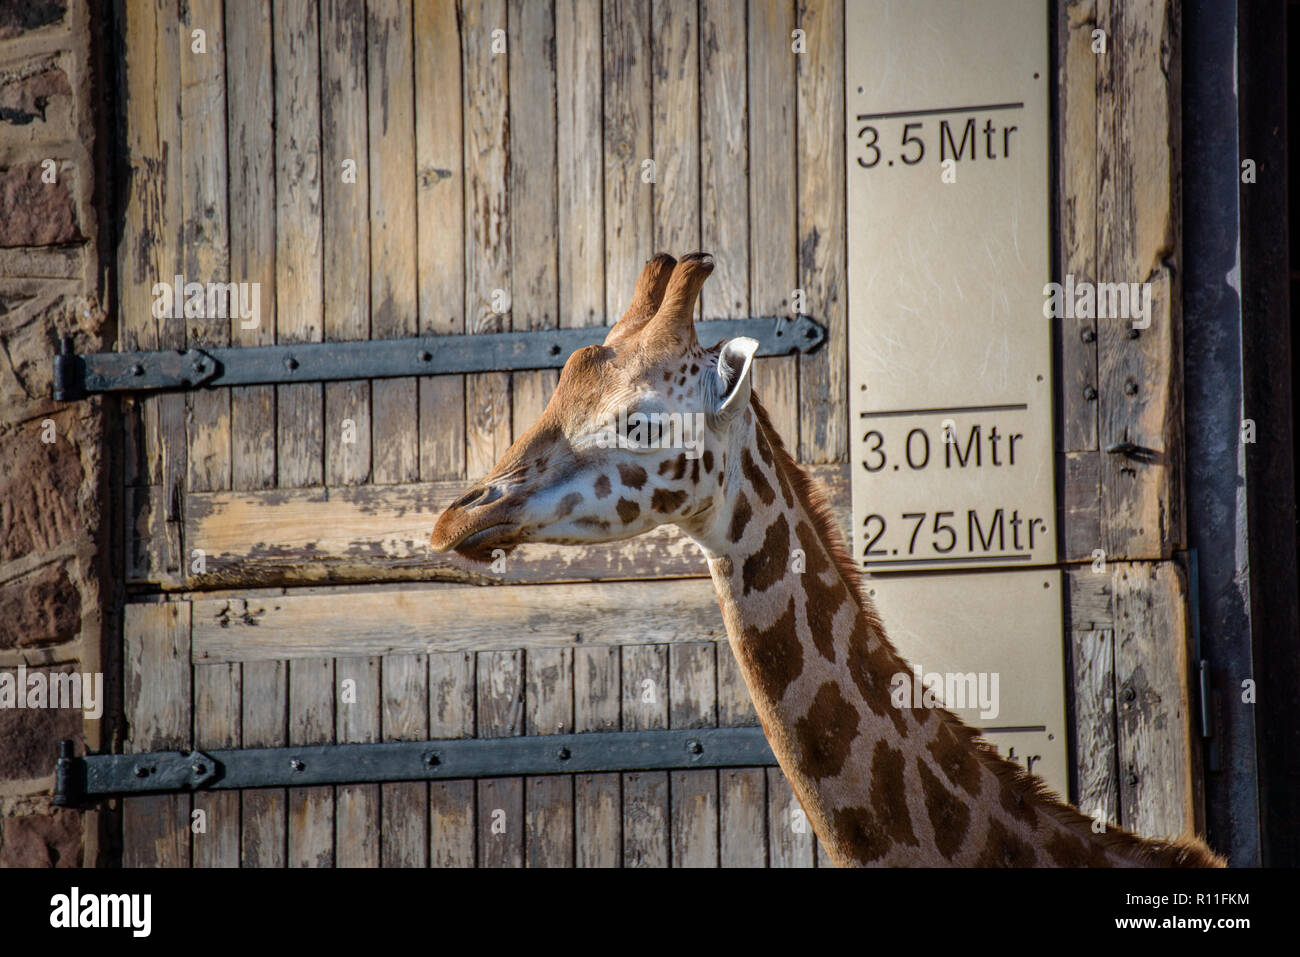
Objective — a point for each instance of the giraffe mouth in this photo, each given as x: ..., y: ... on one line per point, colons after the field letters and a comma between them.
x: 479, y: 545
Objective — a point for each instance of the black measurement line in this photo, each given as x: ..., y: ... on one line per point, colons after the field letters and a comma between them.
x: 867, y: 563
x: 1012, y: 730
x: 957, y: 408
x: 954, y: 109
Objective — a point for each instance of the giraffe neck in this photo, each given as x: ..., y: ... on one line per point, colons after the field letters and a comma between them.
x: 881, y: 785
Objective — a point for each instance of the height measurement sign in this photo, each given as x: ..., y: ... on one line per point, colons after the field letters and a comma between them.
x: 948, y: 240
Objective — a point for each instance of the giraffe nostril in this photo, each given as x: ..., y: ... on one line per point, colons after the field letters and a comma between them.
x: 477, y: 497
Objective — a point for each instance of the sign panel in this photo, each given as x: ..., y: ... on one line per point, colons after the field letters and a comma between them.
x: 990, y: 644
x: 948, y: 241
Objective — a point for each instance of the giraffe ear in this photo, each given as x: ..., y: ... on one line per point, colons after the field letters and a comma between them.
x: 734, y: 374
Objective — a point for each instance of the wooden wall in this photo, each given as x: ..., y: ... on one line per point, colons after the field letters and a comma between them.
x: 277, y: 568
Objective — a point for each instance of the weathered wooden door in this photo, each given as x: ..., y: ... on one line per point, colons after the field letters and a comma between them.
x: 393, y: 169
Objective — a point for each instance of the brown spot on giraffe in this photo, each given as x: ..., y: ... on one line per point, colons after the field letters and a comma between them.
x: 633, y: 476
x: 767, y: 566
x: 708, y: 460
x: 695, y: 471
x: 820, y: 605
x: 772, y: 655
x: 664, y: 501
x: 949, y: 818
x: 756, y: 478
x: 602, y: 486
x: 628, y: 510
x: 872, y: 670
x: 1014, y: 803
x: 956, y: 760
x: 1003, y: 849
x: 1066, y: 850
x: 889, y: 793
x: 815, y: 561
x: 764, y: 447
x: 826, y: 732
x: 568, y: 504
x: 740, y: 516
x: 860, y: 833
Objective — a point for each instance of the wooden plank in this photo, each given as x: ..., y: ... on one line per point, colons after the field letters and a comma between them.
x: 357, y: 719
x: 204, y: 207
x: 579, y: 174
x: 311, y: 721
x: 790, y: 836
x: 451, y: 715
x: 1088, y: 604
x: 374, y: 533
x: 251, y: 164
x: 724, y: 159
x: 1076, y: 218
x: 645, y: 793
x: 675, y: 125
x: 486, y: 120
x: 1139, y: 391
x: 500, y: 800
x: 1093, y: 657
x: 416, y: 620
x: 548, y: 709
x: 217, y: 699
x: 773, y: 198
x: 265, y: 725
x: 1080, y: 511
x: 742, y: 793
x: 626, y: 133
x: 1159, y: 755
x: 440, y: 226
x: 823, y: 268
x: 693, y: 676
x: 597, y: 799
x: 157, y: 680
x: 404, y: 829
x: 393, y: 300
x: 345, y: 201
x: 299, y: 250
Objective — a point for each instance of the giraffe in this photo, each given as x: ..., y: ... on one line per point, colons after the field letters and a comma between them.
x: 881, y: 785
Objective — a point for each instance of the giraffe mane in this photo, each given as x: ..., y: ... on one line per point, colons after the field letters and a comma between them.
x: 1187, y: 850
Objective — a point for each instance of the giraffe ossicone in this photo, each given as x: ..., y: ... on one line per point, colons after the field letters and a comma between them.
x: 882, y: 785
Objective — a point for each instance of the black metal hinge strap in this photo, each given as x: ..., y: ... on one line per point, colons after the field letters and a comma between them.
x: 100, y: 775
x: 76, y: 376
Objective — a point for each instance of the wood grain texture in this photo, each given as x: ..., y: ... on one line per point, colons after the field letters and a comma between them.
x: 404, y: 828
x: 157, y: 679
x: 675, y: 126
x: 790, y: 836
x: 357, y: 719
x: 440, y: 227
x: 548, y: 709
x: 823, y: 250
x: 773, y: 198
x: 381, y: 533
x: 311, y: 721
x: 579, y: 172
x: 345, y: 192
x: 501, y: 818
x: 451, y: 803
x: 1139, y: 391
x: 251, y: 165
x: 692, y: 677
x: 1093, y: 656
x: 264, y: 842
x: 629, y: 214
x: 597, y: 798
x: 299, y: 250
x: 724, y: 159
x: 206, y: 230
x: 394, y: 303
x: 1159, y: 755
x: 218, y: 697
x: 645, y: 794
x: 1076, y: 219
x: 1080, y: 509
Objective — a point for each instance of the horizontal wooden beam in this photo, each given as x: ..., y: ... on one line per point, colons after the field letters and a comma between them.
x: 371, y: 533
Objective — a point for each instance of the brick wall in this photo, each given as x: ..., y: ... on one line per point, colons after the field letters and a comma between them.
x: 53, y: 522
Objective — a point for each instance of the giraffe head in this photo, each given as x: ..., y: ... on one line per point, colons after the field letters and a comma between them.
x: 637, y: 433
